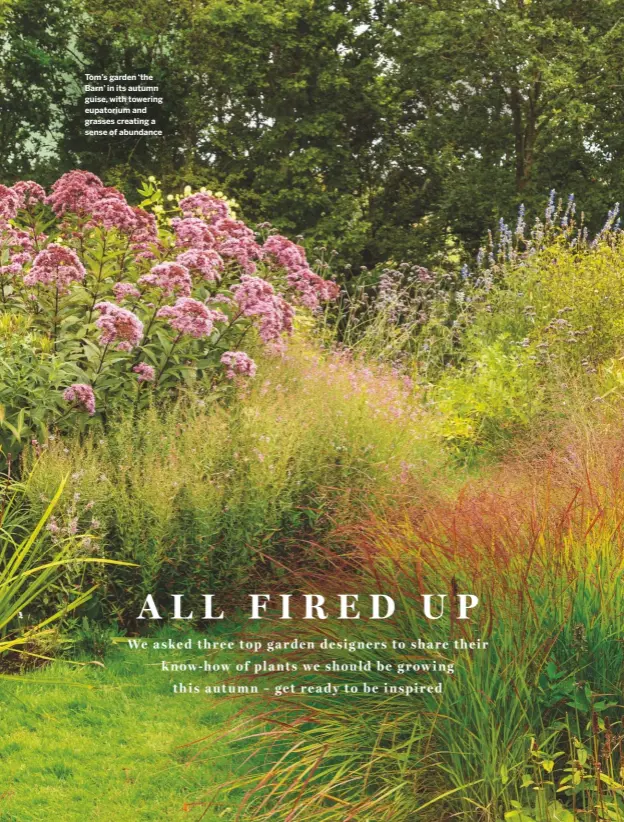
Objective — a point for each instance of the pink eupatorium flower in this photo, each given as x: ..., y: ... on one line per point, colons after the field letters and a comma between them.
x: 237, y: 241
x: 257, y: 298
x: 191, y: 317
x: 20, y: 249
x: 144, y: 234
x: 126, y: 291
x: 193, y: 232
x: 56, y: 265
x: 288, y: 254
x: 170, y: 278
x: 238, y: 363
x: 76, y: 191
x: 205, y: 205
x: 80, y: 396
x: 311, y: 288
x: 9, y: 203
x: 206, y: 261
x: 29, y: 192
x: 119, y: 326
x: 113, y: 212
x: 145, y: 372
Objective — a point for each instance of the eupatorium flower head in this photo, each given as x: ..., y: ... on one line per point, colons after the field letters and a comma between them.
x: 257, y: 298
x: 56, y: 265
x: 75, y: 191
x: 191, y: 317
x: 237, y: 241
x: 81, y: 396
x: 144, y: 372
x: 205, y: 205
x: 193, y: 232
x: 113, y: 212
x: 126, y: 291
x: 170, y: 278
x: 238, y: 364
x: 29, y: 192
x: 206, y: 261
x: 311, y: 288
x: 9, y: 203
x: 119, y: 326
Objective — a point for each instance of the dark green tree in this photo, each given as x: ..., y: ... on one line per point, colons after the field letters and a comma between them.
x: 506, y: 99
x: 37, y: 82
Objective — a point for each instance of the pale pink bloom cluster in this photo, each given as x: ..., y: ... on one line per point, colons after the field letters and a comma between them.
x: 191, y: 317
x: 145, y: 232
x: 9, y: 203
x: 230, y: 238
x: 119, y: 326
x: 76, y: 191
x: 288, y: 254
x: 113, y: 212
x: 145, y: 372
x: 257, y: 298
x: 56, y: 265
x: 81, y: 396
x: 20, y: 247
x: 170, y: 278
x: 191, y: 231
x: 204, y: 205
x: 204, y: 260
x: 29, y: 192
x: 237, y: 241
x: 83, y: 193
x: 238, y: 364
x: 311, y: 288
x: 126, y: 291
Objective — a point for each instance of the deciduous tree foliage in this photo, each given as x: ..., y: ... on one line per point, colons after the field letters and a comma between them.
x: 390, y: 129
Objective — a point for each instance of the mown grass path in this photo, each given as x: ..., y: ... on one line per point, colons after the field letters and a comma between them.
x: 92, y: 744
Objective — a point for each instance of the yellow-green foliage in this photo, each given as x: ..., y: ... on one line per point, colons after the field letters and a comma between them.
x: 197, y: 493
x: 489, y: 402
x: 550, y: 319
x: 569, y: 298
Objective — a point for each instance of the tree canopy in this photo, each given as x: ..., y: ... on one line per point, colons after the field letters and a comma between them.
x: 389, y: 129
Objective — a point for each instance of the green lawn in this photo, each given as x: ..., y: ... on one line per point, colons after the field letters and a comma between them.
x: 91, y: 744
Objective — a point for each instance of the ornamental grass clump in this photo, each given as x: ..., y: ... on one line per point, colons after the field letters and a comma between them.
x: 115, y: 306
x: 35, y: 558
x: 207, y: 496
x: 527, y: 728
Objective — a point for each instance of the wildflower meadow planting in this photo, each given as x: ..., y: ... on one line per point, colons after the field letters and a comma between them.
x: 311, y: 411
x: 189, y: 406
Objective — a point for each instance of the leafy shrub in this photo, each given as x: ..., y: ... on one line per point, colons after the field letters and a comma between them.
x: 103, y: 305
